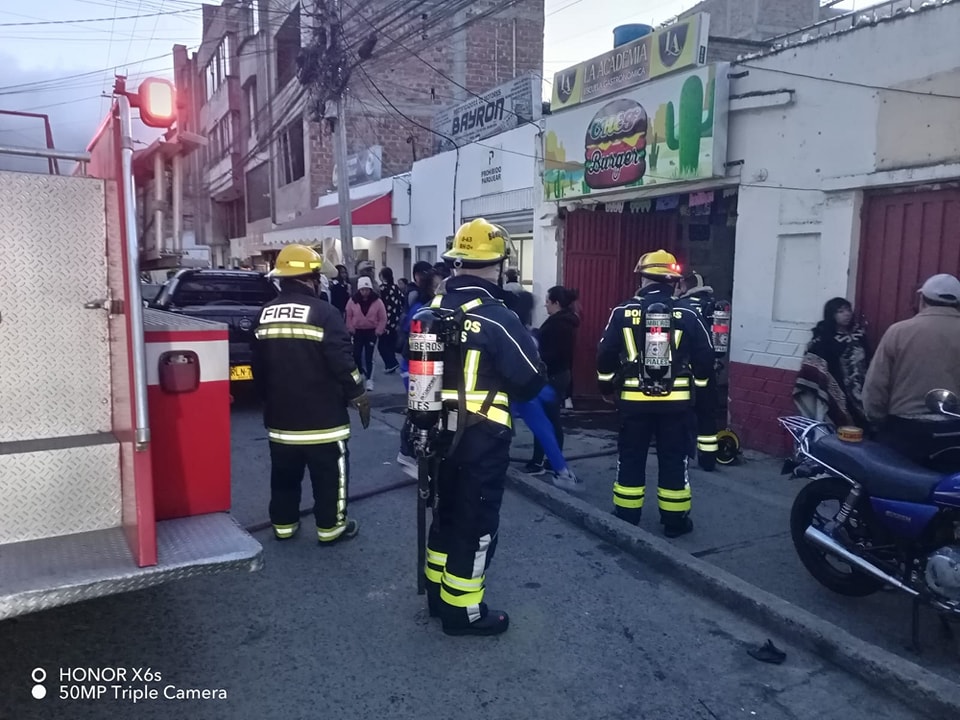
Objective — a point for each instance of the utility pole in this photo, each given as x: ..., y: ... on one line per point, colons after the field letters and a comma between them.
x: 324, y: 68
x: 340, y: 148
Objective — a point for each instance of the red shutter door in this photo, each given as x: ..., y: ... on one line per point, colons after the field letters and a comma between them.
x: 906, y: 238
x: 600, y: 252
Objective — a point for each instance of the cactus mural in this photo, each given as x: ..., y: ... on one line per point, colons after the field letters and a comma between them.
x: 653, y: 152
x: 685, y: 132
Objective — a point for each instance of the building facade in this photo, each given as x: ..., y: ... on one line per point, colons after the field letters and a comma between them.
x: 269, y: 162
x: 840, y: 177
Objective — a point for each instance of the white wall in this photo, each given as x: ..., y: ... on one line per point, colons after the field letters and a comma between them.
x: 441, y: 183
x: 807, y: 161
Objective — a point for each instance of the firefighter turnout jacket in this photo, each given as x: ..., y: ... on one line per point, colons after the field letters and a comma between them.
x: 304, y: 369
x: 620, y: 357
x: 500, y: 359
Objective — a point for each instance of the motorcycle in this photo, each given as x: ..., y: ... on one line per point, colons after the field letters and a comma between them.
x: 898, y: 523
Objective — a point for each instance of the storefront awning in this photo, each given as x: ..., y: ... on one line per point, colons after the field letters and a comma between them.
x: 372, y: 217
x: 364, y: 211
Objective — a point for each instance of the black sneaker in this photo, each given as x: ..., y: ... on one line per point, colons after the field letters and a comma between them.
x: 676, y: 529
x: 495, y: 622
x: 391, y: 371
x: 349, y: 532
x: 533, y: 469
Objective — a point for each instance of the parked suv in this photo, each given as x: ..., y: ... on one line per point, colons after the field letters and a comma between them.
x: 233, y: 297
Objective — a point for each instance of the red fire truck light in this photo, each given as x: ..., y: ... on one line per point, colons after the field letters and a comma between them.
x: 157, y: 103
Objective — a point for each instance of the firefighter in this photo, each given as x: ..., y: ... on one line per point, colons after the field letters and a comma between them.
x: 304, y: 369
x: 648, y: 349
x: 496, y: 362
x: 693, y: 293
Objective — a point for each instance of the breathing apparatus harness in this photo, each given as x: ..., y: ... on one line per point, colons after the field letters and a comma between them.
x: 437, y: 336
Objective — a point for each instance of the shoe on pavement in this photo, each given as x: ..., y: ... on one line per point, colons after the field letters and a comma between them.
x: 409, y: 465
x: 494, y: 623
x: 369, y: 385
x: 566, y: 480
x: 676, y: 529
x: 349, y: 533
x: 533, y: 469
x: 391, y: 371
x: 286, y: 532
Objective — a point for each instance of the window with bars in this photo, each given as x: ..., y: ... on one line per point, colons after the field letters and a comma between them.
x: 218, y: 69
x: 250, y: 104
x: 287, y: 42
x: 292, y: 165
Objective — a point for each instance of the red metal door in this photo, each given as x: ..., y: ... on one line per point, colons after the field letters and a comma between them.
x: 906, y: 238
x: 600, y: 252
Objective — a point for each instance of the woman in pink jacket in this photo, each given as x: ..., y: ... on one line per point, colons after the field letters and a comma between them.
x: 366, y: 321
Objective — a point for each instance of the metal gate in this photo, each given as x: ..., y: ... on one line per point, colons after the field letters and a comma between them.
x: 907, y: 237
x: 600, y: 252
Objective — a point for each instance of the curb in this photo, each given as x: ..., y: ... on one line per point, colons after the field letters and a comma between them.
x: 907, y: 681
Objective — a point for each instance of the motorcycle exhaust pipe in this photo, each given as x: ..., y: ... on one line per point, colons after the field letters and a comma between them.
x: 825, y: 542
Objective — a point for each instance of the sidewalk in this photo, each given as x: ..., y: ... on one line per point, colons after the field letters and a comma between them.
x: 741, y: 515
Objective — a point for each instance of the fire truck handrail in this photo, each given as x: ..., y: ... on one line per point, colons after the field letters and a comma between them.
x: 82, y: 157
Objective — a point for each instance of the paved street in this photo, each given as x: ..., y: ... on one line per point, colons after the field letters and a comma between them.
x: 340, y: 632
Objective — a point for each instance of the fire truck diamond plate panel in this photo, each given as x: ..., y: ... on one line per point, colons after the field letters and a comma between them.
x: 59, y: 492
x: 55, y: 368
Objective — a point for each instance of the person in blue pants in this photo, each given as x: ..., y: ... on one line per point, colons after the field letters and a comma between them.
x: 534, y: 415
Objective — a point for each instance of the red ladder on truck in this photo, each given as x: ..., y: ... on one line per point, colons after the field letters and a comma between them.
x: 80, y: 484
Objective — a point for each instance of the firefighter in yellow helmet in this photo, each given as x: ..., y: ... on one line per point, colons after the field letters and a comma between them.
x: 496, y: 361
x: 304, y: 370
x: 653, y: 353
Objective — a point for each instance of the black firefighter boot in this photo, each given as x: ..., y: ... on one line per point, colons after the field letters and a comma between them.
x: 631, y: 515
x: 676, y: 528
x: 491, y: 622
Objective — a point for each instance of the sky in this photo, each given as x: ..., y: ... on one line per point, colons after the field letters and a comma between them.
x: 39, y: 63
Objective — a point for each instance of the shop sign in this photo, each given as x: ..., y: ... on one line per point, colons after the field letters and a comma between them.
x: 504, y: 108
x: 680, y: 46
x: 666, y: 132
x: 491, y: 174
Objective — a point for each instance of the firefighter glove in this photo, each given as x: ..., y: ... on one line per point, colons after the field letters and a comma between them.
x: 362, y: 404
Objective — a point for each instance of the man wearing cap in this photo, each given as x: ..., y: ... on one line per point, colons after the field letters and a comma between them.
x: 914, y: 357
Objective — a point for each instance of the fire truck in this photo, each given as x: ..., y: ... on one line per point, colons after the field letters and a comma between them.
x: 114, y: 418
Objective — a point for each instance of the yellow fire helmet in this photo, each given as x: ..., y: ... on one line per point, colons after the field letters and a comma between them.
x: 296, y: 261
x: 659, y: 265
x: 478, y: 243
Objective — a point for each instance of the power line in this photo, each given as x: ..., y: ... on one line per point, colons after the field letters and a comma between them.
x: 850, y: 83
x: 565, y: 7
x: 94, y: 20
x: 447, y: 77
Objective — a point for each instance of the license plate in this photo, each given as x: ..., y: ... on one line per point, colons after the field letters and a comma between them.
x: 241, y: 372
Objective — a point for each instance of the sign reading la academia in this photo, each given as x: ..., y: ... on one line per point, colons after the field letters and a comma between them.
x: 682, y: 45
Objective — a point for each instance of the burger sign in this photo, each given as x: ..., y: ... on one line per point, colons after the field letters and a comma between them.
x: 616, y: 145
x: 668, y: 131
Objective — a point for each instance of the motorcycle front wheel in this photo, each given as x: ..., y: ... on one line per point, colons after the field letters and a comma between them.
x: 816, y: 505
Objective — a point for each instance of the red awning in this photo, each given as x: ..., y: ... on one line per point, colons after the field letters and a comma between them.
x: 377, y: 210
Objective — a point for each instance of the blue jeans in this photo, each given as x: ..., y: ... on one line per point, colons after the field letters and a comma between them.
x: 534, y: 414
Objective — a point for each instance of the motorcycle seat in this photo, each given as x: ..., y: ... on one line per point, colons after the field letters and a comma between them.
x: 883, y: 472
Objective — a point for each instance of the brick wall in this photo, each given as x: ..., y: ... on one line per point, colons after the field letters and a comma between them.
x: 758, y: 396
x: 482, y: 56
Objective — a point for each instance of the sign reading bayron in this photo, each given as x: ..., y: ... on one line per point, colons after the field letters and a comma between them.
x: 504, y: 108
x: 680, y: 46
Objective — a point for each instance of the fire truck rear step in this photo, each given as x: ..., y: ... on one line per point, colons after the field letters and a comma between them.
x: 40, y: 574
